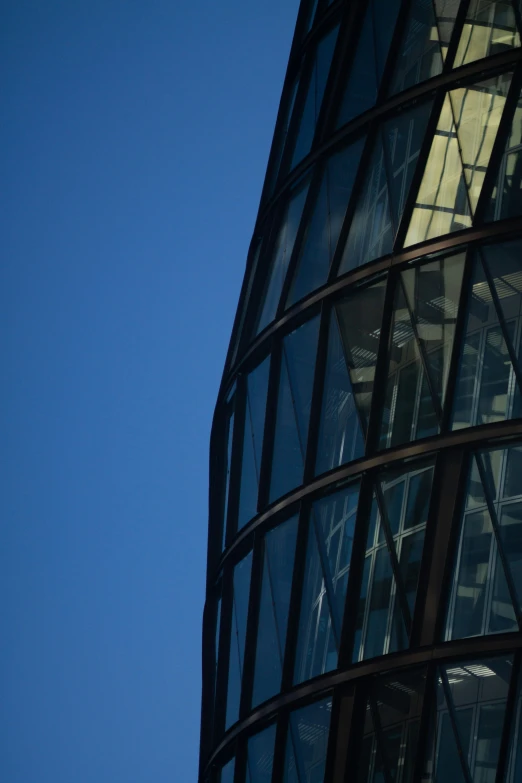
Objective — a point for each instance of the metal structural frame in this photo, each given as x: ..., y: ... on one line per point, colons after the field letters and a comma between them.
x: 451, y: 450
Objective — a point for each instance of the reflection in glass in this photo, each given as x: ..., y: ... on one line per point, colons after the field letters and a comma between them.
x: 260, y: 756
x: 394, y: 548
x: 490, y: 28
x: 340, y: 435
x: 274, y: 605
x: 468, y: 719
x: 391, y: 727
x: 506, y: 200
x: 314, y: 98
x: 423, y: 327
x: 281, y: 254
x: 487, y: 389
x: 326, y: 222
x: 386, y: 185
x: 373, y: 41
x: 359, y: 317
x: 240, y: 593
x: 486, y: 591
x: 458, y: 159
x: 255, y: 407
x: 307, y: 743
x: 293, y: 408
x: 329, y: 550
x: 419, y: 55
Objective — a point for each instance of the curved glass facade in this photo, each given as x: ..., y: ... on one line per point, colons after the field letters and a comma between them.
x: 363, y: 616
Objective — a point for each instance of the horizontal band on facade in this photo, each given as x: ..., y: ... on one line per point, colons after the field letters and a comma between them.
x: 441, y: 653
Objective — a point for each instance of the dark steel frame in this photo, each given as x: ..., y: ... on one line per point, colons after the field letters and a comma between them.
x: 349, y: 683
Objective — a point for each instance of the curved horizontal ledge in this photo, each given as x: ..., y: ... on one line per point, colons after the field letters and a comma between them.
x: 484, y: 434
x: 322, y: 685
x: 464, y: 73
x: 504, y: 229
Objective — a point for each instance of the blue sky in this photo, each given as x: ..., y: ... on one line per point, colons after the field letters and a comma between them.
x: 135, y: 136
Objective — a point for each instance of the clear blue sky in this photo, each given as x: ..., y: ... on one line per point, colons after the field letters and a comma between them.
x: 134, y: 138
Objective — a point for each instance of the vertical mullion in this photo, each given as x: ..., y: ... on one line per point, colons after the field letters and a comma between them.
x: 381, y: 365
x: 355, y: 573
x: 225, y: 636
x: 296, y: 593
x: 458, y: 338
x: 428, y: 700
x: 444, y: 523
x: 453, y: 720
x: 234, y: 485
x: 509, y: 716
x: 395, y: 46
x: 270, y: 423
x: 317, y: 394
x: 499, y: 145
x: 280, y: 747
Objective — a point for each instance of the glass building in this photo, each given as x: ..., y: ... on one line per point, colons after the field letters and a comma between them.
x: 363, y: 616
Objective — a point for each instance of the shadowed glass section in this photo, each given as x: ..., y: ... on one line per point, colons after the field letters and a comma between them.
x: 490, y: 28
x: 260, y: 756
x: 420, y: 55
x: 486, y: 591
x: 329, y: 550
x: 394, y: 547
x: 307, y: 743
x: 326, y: 222
x: 489, y: 372
x: 467, y: 720
x: 458, y: 159
x: 387, y: 182
x: 293, y: 408
x: 281, y: 254
x: 373, y: 41
x: 391, y: 727
x: 506, y: 200
x: 256, y: 391
x: 240, y: 592
x: 359, y: 317
x: 314, y: 97
x: 227, y: 772
x: 423, y: 328
x: 340, y: 434
x: 276, y: 584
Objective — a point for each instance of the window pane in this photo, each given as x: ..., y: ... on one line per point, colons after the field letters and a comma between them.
x: 506, y: 200
x: 240, y: 593
x: 330, y: 539
x: 394, y: 547
x: 390, y: 752
x: 420, y: 55
x: 359, y: 318
x: 487, y: 390
x: 278, y: 567
x: 293, y: 408
x: 480, y: 600
x: 228, y: 461
x: 307, y: 743
x: 260, y: 756
x: 256, y: 391
x: 314, y: 97
x: 281, y: 254
x: 489, y: 28
x: 340, y: 434
x: 227, y: 772
x: 423, y: 327
x: 470, y: 706
x: 326, y: 222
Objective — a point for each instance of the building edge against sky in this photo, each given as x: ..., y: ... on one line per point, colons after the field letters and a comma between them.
x: 363, y: 615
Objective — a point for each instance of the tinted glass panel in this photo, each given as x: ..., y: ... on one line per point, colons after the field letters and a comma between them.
x: 330, y: 539
x: 241, y: 589
x: 255, y: 407
x: 340, y: 433
x: 420, y: 55
x: 506, y: 200
x: 394, y: 548
x: 260, y: 756
x: 276, y: 584
x: 307, y: 743
x: 293, y: 408
x: 229, y: 436
x: 326, y: 222
x: 227, y: 772
x: 489, y: 28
